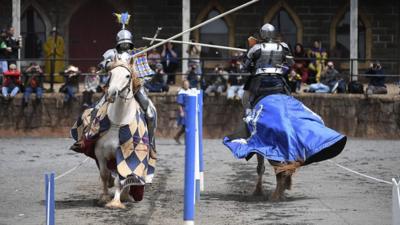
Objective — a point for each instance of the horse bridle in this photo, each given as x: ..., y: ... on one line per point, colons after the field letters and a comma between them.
x: 127, y: 86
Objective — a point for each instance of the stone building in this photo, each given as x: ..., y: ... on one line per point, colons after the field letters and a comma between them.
x: 89, y: 28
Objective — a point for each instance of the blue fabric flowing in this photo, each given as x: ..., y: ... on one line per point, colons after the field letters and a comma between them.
x: 283, y: 129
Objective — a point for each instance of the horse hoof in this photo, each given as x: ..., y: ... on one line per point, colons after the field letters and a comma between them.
x: 137, y: 192
x: 115, y: 205
x: 104, y: 199
x: 277, y: 198
x: 258, y: 191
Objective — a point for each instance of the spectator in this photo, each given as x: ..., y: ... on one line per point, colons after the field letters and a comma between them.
x: 169, y: 61
x: 92, y: 83
x: 193, y: 77
x: 376, y: 83
x: 104, y: 80
x: 33, y: 82
x: 330, y: 78
x: 301, y: 62
x: 194, y: 52
x: 317, y: 57
x: 294, y: 80
x: 71, y: 82
x: 13, y: 45
x: 3, y: 53
x: 158, y: 82
x: 181, y: 110
x: 235, y: 82
x: 11, y: 82
x: 218, y: 81
x: 154, y: 58
x: 54, y: 49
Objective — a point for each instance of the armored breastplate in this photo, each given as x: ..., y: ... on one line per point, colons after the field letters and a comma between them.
x: 271, y: 58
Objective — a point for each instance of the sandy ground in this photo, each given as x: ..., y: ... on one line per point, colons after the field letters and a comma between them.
x: 321, y: 194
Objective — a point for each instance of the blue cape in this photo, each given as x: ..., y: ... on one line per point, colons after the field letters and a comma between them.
x: 283, y: 129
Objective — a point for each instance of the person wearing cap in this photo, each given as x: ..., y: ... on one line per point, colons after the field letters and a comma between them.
x: 71, y: 79
x: 54, y: 49
x: 11, y: 82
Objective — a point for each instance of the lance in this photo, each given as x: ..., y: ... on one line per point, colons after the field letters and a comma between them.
x: 155, y: 35
x: 195, y: 27
x: 198, y: 44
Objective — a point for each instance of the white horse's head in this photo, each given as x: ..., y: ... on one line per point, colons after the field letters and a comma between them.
x: 120, y: 82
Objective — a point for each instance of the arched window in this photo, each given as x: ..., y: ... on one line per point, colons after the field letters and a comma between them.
x: 285, y: 27
x: 340, y: 35
x: 286, y: 22
x: 214, y: 33
x: 343, y: 37
x: 33, y: 31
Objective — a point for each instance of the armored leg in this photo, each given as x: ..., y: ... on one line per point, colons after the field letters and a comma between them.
x: 150, y: 115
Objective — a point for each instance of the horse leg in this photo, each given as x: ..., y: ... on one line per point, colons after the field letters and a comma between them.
x: 104, y: 175
x: 281, y: 181
x: 260, y: 172
x: 125, y: 197
x: 288, y: 182
x: 116, y: 203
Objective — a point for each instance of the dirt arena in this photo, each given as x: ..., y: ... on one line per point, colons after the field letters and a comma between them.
x: 322, y: 193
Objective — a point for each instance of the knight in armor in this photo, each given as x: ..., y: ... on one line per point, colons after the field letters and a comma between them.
x: 268, y: 62
x: 124, y: 50
x: 276, y: 125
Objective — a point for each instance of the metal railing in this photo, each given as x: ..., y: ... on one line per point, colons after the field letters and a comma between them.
x: 343, y: 65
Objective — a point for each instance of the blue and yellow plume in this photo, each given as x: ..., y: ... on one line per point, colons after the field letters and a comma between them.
x: 123, y: 18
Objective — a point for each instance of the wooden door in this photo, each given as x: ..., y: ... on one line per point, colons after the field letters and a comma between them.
x: 92, y: 30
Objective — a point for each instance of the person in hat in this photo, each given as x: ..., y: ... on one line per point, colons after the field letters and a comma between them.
x: 71, y: 79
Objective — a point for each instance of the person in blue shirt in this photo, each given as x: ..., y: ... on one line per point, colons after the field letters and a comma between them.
x: 180, y: 119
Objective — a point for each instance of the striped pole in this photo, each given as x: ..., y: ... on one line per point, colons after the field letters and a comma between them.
x: 190, y: 138
x: 200, y: 121
x: 49, y: 186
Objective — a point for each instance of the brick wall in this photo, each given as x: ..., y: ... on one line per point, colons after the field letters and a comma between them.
x: 353, y: 115
x: 315, y: 15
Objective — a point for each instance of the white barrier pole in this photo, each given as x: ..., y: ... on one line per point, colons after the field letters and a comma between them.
x: 200, y: 115
x: 396, y: 202
x: 197, y: 148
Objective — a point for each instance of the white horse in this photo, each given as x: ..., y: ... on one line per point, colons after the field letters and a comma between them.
x: 121, y: 110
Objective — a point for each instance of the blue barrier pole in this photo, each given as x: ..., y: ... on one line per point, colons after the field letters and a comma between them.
x: 200, y: 119
x: 50, y: 205
x: 189, y: 193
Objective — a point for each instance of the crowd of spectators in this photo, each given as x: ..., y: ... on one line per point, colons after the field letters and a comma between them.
x: 312, y: 72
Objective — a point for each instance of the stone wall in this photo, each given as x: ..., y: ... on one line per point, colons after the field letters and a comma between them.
x: 353, y: 115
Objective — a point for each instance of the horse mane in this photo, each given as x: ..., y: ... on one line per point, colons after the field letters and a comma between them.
x: 136, y: 83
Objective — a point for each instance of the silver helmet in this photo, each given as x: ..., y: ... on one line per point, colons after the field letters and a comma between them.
x: 124, y: 36
x: 267, y: 32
